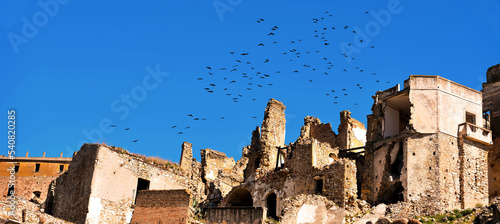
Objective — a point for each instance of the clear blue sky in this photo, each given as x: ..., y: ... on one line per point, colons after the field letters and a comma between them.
x: 67, y: 66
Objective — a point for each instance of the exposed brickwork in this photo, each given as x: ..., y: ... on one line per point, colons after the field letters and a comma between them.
x: 161, y: 206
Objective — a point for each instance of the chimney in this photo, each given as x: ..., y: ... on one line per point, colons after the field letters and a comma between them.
x: 27, y: 152
x: 43, y: 154
x: 61, y: 154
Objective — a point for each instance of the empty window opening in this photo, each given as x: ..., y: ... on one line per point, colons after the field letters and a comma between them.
x: 486, y: 119
x: 257, y: 163
x: 61, y: 168
x: 318, y: 186
x: 271, y: 206
x: 10, y: 190
x: 393, y: 194
x: 397, y: 161
x: 396, y: 115
x: 16, y: 168
x: 470, y: 118
x: 142, y: 184
x: 240, y: 197
x: 37, y: 194
x: 37, y: 167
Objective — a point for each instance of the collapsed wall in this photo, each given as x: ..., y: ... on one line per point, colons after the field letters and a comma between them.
x: 424, y: 153
x: 310, y: 165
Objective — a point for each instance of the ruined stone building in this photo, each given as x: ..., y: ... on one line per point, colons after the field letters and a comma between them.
x: 310, y: 165
x: 110, y: 185
x: 426, y: 145
x: 491, y: 110
x: 33, y: 175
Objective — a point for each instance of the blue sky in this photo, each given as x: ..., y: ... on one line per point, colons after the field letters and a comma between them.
x: 71, y: 69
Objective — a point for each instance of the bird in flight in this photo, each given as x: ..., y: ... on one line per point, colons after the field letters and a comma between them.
x: 113, y: 126
x: 126, y: 129
x: 135, y: 140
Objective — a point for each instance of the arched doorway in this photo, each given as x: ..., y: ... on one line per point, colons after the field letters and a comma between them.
x: 271, y: 206
x: 240, y: 197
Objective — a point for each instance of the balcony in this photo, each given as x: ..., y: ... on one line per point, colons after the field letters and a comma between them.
x: 475, y: 133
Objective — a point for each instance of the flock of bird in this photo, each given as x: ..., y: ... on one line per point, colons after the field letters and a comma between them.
x: 247, y: 73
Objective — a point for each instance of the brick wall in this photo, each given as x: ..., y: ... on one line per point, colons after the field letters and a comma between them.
x: 161, y: 206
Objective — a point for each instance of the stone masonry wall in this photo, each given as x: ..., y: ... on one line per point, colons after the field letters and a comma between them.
x: 272, y: 133
x: 71, y: 195
x: 494, y: 169
x: 186, y: 157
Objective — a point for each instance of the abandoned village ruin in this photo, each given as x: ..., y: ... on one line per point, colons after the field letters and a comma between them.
x: 431, y: 144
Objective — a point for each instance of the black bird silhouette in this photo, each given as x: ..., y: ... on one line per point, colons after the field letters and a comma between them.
x: 173, y: 126
x: 261, y: 44
x: 180, y: 133
x: 244, y: 54
x: 113, y: 126
x: 187, y: 127
x: 190, y: 115
x: 209, y: 68
x: 271, y: 33
x: 127, y: 129
x: 135, y: 140
x: 200, y: 78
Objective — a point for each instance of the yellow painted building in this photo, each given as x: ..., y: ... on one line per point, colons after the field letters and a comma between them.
x: 32, y: 175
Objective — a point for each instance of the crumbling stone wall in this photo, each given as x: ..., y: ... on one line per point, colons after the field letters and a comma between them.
x: 352, y: 133
x: 70, y: 196
x: 220, y: 174
x: 427, y: 163
x: 311, y: 166
x: 272, y: 133
x: 186, y: 158
x: 161, y: 206
x: 108, y: 189
x: 494, y: 169
x: 491, y: 108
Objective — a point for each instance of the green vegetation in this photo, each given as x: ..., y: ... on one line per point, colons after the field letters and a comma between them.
x: 455, y: 216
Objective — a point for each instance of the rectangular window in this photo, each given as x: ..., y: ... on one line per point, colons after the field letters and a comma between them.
x: 61, y: 168
x: 318, y: 189
x: 470, y: 118
x: 37, y: 167
x: 16, y: 168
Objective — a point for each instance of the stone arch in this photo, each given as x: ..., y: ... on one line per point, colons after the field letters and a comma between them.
x: 240, y: 197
